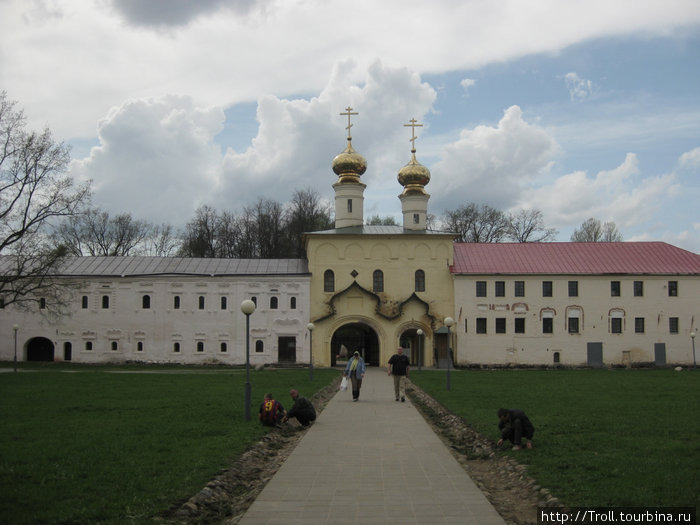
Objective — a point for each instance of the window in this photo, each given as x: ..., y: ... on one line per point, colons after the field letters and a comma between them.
x: 420, y: 281
x: 573, y: 288
x: 223, y: 348
x: 201, y: 302
x: 328, y: 281
x: 224, y: 303
x: 548, y: 325
x: 293, y: 303
x: 673, y: 325
x: 416, y: 218
x: 259, y: 347
x: 481, y: 288
x: 146, y: 302
x: 480, y: 325
x: 105, y: 301
x: 176, y: 347
x: 139, y: 346
x: 349, y: 205
x: 500, y: 325
x: 519, y: 288
x: 500, y: 288
x: 200, y: 346
x: 176, y: 302
x: 614, y: 288
x: 255, y: 301
x: 616, y: 325
x: 639, y: 325
x: 85, y: 302
x: 2, y: 302
x: 673, y: 288
x: 273, y: 303
x: 115, y: 346
x: 546, y: 288
x: 88, y: 346
x: 378, y: 281
x: 573, y: 325
x: 519, y: 325
x: 638, y: 288
x: 42, y: 303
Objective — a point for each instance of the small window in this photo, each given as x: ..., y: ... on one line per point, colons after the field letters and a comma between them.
x: 176, y: 302
x: 614, y: 288
x: 223, y: 348
x: 557, y: 357
x: 673, y: 325
x: 2, y: 302
x: 500, y: 288
x: 115, y: 346
x: 139, y: 346
x: 176, y: 347
x: 673, y: 288
x: 500, y: 325
x: 573, y: 325
x: 638, y: 288
x: 146, y: 302
x: 42, y: 303
x: 547, y: 325
x: 481, y: 288
x: 420, y: 281
x: 547, y: 288
x: 224, y: 303
x: 416, y: 218
x: 293, y: 303
x: 259, y: 347
x: 201, y: 302
x: 378, y: 281
x: 85, y: 302
x: 88, y: 346
x: 573, y: 288
x: 200, y: 346
x: 616, y: 325
x: 273, y: 303
x: 328, y: 281
x: 480, y: 325
x: 105, y: 301
x: 349, y: 205
x: 519, y: 325
x: 639, y: 325
x: 255, y: 301
x: 519, y: 288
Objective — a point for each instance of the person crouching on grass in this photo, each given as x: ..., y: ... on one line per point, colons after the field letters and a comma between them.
x: 271, y: 411
x: 514, y: 425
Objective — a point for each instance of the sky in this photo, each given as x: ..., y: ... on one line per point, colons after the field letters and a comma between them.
x: 577, y: 109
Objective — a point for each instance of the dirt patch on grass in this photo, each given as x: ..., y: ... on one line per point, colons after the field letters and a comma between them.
x: 503, y: 480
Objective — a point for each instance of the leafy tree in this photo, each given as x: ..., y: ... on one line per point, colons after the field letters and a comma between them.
x: 528, y: 226
x: 376, y: 220
x: 34, y: 191
x: 592, y: 230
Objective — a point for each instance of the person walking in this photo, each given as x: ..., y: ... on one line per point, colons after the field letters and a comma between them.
x: 355, y: 370
x: 398, y: 366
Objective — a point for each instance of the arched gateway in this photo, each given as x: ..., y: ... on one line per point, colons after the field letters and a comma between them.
x: 40, y: 349
x: 356, y: 336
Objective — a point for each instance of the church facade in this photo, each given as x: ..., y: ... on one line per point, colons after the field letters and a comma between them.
x: 372, y: 289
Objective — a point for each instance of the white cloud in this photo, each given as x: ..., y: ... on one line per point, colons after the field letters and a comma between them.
x: 579, y: 88
x: 690, y: 159
x: 466, y: 83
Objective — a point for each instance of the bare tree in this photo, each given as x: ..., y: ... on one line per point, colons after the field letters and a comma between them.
x: 305, y: 214
x: 475, y: 223
x: 162, y: 242
x: 34, y: 191
x: 200, y: 234
x: 592, y: 230
x: 376, y: 220
x: 528, y: 226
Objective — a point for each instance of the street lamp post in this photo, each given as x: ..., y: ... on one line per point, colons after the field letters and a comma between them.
x: 16, y: 328
x: 692, y: 338
x: 311, y: 327
x: 420, y: 347
x: 448, y: 323
x: 247, y: 307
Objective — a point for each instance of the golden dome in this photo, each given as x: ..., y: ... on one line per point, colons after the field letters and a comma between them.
x: 414, y: 176
x: 349, y: 165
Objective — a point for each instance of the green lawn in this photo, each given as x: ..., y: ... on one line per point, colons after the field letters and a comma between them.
x: 90, y: 445
x: 603, y: 437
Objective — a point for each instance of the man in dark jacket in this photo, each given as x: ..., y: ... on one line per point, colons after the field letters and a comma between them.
x: 303, y: 409
x: 514, y: 425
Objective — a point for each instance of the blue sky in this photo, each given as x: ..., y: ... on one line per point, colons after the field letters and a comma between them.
x: 576, y: 109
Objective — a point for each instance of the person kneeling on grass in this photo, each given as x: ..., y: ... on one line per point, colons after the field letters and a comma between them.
x: 303, y: 409
x: 271, y: 411
x: 514, y: 425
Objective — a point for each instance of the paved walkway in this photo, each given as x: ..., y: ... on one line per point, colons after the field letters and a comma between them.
x: 371, y: 462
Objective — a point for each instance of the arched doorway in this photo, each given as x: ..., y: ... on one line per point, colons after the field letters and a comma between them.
x: 40, y: 349
x: 414, y: 346
x: 356, y: 336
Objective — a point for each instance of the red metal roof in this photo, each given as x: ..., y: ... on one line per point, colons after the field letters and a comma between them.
x: 574, y: 258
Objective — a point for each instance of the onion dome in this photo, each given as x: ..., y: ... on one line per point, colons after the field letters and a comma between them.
x: 349, y: 165
x: 413, y: 176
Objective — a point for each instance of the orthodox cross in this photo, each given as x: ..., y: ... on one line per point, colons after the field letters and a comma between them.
x: 413, y: 123
x: 349, y: 112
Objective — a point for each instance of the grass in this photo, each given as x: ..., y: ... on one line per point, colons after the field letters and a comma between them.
x: 603, y: 437
x: 92, y: 445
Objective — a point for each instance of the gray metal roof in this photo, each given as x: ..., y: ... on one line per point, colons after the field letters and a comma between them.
x: 378, y: 230
x: 186, y: 266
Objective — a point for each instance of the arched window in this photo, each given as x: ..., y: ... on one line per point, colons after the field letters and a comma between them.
x: 293, y: 303
x: 259, y: 346
x: 224, y: 303
x: 224, y: 348
x: 420, y: 281
x: 378, y: 281
x: 328, y: 281
x: 273, y: 303
x: 201, y: 302
x: 176, y: 302
x: 67, y: 351
x: 255, y: 301
x: 105, y: 301
x: 85, y: 301
x: 115, y: 346
x: 42, y: 303
x: 88, y: 345
x: 200, y: 346
x: 176, y: 347
x: 139, y: 346
x: 556, y: 357
x: 146, y: 301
